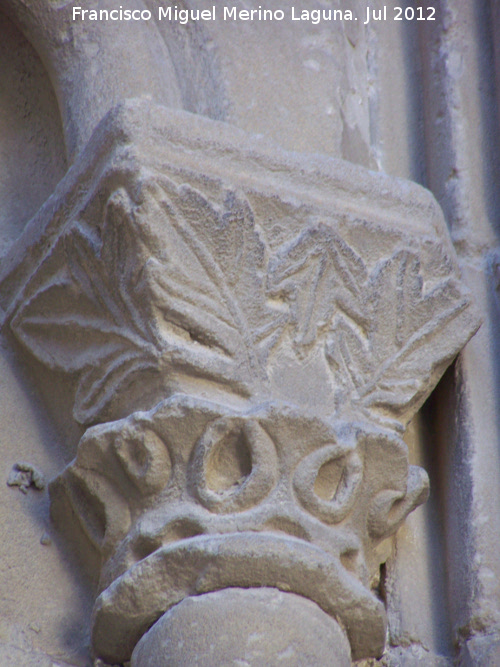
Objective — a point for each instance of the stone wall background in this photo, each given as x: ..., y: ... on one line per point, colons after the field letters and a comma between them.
x: 413, y: 100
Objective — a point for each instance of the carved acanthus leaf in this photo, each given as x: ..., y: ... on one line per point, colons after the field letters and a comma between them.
x: 195, y: 257
x: 174, y: 283
x: 84, y: 316
x: 210, y: 278
x: 381, y: 326
x: 318, y: 273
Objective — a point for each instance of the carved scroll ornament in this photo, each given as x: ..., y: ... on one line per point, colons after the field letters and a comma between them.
x: 249, y: 332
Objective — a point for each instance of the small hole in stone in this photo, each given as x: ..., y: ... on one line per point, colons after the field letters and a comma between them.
x: 180, y: 529
x: 327, y: 480
x: 145, y: 546
x: 349, y: 560
x: 137, y: 453
x: 92, y: 509
x: 382, y: 584
x: 230, y: 462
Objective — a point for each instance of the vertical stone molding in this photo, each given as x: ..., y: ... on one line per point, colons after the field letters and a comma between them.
x: 249, y: 333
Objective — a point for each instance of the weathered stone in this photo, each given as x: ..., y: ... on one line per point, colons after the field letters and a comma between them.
x: 279, y: 320
x: 255, y: 627
x: 243, y: 334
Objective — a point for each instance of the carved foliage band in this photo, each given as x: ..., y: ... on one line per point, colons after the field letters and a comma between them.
x: 173, y: 274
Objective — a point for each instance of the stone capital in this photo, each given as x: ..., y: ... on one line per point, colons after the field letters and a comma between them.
x: 249, y: 332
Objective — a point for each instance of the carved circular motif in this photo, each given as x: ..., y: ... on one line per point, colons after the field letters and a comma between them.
x: 144, y: 458
x: 326, y: 482
x: 235, y: 465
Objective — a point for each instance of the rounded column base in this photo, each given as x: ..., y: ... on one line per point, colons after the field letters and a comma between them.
x: 255, y: 627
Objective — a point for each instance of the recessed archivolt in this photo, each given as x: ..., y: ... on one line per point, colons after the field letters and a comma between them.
x: 89, y: 63
x: 32, y: 153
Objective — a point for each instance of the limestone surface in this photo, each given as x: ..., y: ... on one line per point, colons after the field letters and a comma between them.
x: 223, y: 337
x: 252, y: 330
